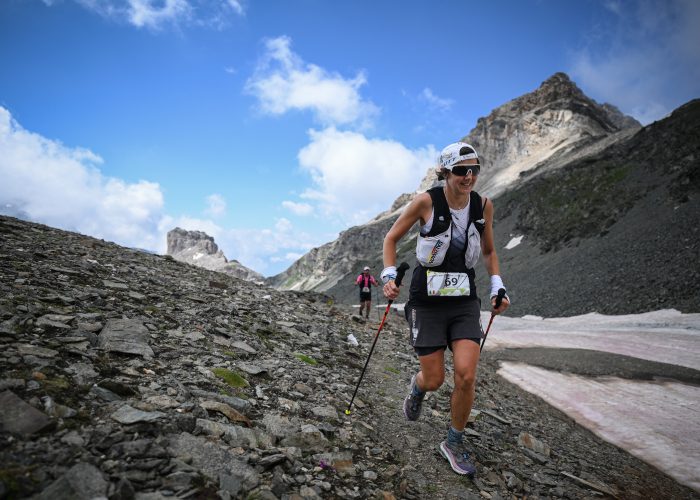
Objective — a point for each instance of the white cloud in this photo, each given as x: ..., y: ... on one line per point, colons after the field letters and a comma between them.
x: 355, y: 177
x: 283, y: 82
x: 216, y: 205
x: 650, y: 62
x: 157, y: 14
x: 44, y: 181
x: 61, y: 186
x: 153, y: 14
x: 236, y: 6
x: 298, y: 208
x: 438, y: 103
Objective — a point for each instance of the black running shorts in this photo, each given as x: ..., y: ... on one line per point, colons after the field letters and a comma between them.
x: 434, y: 327
x: 365, y: 296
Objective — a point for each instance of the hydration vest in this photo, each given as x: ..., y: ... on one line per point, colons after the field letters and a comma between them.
x: 365, y: 282
x: 434, y: 251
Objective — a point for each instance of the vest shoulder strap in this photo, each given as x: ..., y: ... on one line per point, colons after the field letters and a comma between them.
x: 476, y: 210
x: 441, y: 211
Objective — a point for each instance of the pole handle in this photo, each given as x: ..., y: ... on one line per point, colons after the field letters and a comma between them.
x: 401, y: 271
x: 499, y: 297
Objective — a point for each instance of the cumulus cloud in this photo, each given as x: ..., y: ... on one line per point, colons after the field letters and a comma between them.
x: 284, y: 82
x: 298, y: 208
x: 157, y: 14
x: 355, y: 177
x: 216, y: 205
x: 649, y: 61
x: 47, y: 182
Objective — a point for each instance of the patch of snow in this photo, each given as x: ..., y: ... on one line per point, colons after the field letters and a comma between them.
x: 198, y: 256
x: 514, y: 242
x: 656, y: 422
x: 666, y: 336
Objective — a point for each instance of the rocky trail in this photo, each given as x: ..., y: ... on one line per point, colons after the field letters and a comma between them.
x: 129, y: 375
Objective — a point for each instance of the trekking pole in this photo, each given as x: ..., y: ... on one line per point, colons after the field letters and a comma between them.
x: 376, y: 294
x: 499, y: 299
x: 399, y: 277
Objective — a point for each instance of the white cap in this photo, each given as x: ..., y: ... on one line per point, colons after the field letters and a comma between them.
x: 366, y: 268
x: 456, y: 152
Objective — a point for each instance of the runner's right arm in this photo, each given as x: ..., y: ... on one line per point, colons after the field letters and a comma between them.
x: 418, y: 210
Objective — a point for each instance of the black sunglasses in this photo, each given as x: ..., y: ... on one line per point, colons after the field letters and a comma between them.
x: 462, y: 170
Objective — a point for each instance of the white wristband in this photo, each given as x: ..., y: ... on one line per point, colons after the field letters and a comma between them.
x: 388, y: 274
x: 496, y: 284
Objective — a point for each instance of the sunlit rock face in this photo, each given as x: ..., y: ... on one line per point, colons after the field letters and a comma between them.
x: 546, y: 128
x: 200, y: 249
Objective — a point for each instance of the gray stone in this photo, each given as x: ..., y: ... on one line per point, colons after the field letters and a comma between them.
x: 278, y: 425
x: 325, y: 412
x: 82, y: 482
x: 251, y: 368
x: 18, y: 417
x: 83, y: 373
x: 128, y: 415
x: 11, y: 383
x: 309, y: 437
x: 242, y: 346
x: 529, y: 441
x: 32, y: 350
x: 114, y: 285
x: 214, y: 461
x: 128, y: 336
x: 104, y: 394
x: 73, y: 439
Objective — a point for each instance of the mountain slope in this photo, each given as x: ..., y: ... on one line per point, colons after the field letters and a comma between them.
x: 130, y: 375
x: 616, y: 232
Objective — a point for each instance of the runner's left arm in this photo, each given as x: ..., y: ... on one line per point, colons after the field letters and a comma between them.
x: 488, y: 251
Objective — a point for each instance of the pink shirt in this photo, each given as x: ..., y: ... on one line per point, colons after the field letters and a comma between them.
x: 366, y: 278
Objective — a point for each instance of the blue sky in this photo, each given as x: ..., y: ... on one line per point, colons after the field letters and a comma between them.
x: 274, y: 125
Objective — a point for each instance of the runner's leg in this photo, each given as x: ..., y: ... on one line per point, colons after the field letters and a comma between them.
x: 465, y: 354
x: 432, y: 371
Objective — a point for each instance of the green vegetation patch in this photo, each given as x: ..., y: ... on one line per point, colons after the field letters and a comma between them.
x: 231, y: 378
x: 393, y: 370
x: 55, y: 384
x: 306, y: 359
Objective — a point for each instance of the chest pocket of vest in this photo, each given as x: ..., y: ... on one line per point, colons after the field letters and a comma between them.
x: 473, y: 252
x: 431, y: 250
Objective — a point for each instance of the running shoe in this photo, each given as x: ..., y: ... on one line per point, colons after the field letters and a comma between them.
x: 412, y: 404
x: 458, y: 456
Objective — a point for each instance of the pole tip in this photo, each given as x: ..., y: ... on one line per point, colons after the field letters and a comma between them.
x: 347, y: 412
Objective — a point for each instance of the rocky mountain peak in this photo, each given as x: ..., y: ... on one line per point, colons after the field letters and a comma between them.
x: 557, y: 87
x: 200, y: 249
x: 550, y: 126
x: 180, y: 240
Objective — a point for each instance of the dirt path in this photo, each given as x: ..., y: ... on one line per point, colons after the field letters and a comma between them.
x: 505, y: 468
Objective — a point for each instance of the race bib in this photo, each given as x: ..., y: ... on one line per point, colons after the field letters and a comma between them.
x: 365, y: 289
x: 447, y: 284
